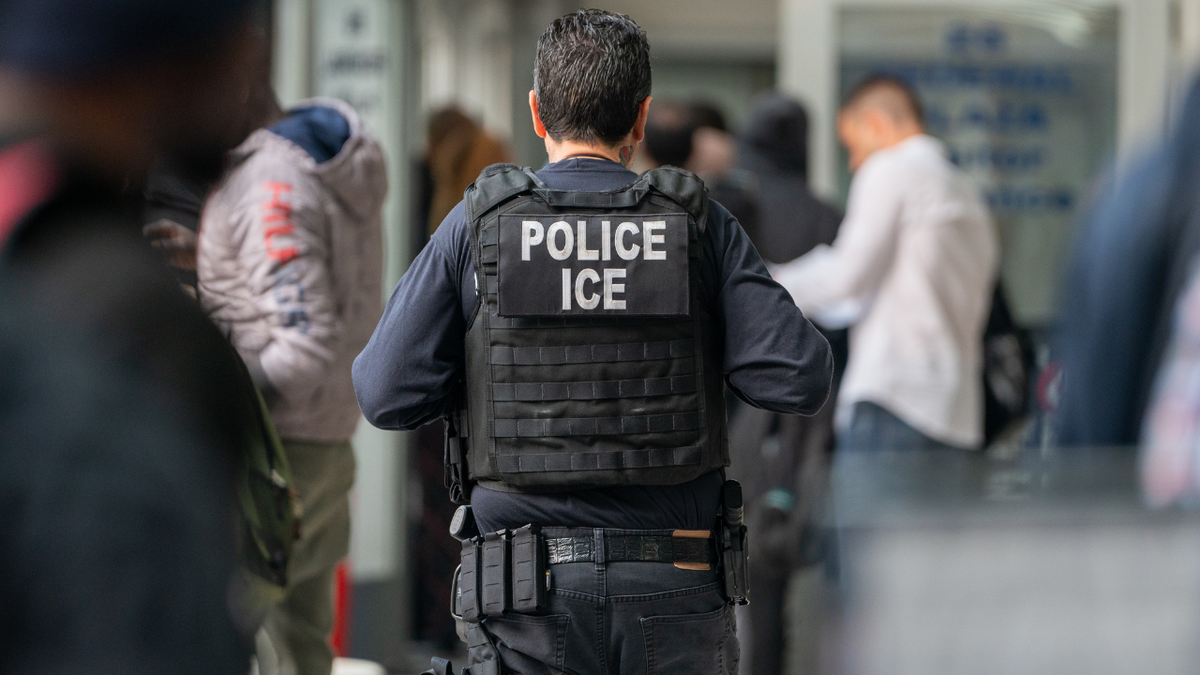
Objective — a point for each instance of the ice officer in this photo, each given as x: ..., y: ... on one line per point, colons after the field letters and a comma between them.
x: 578, y: 326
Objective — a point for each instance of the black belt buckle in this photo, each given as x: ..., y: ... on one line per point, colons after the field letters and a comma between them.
x: 529, y: 576
x: 496, y: 572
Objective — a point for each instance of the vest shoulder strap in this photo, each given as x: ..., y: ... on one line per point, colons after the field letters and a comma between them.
x: 682, y: 187
x: 497, y: 184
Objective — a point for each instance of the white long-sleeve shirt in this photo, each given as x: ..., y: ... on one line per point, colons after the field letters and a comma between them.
x: 912, y: 269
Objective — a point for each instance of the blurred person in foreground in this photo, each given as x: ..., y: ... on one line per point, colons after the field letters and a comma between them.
x: 783, y: 460
x: 911, y: 271
x: 115, y: 553
x: 1132, y: 263
x: 593, y: 436
x: 290, y: 262
x: 1130, y: 335
x: 133, y: 569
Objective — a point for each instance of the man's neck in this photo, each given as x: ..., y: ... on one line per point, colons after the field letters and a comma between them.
x: 622, y: 153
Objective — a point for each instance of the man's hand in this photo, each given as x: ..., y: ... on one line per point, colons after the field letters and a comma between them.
x: 177, y: 243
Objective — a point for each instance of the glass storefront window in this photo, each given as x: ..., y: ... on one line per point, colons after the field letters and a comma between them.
x: 1026, y: 100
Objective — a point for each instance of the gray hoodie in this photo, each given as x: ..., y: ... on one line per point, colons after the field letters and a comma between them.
x: 290, y: 263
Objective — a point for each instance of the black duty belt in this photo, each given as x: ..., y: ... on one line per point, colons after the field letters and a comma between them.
x: 685, y: 547
x: 508, y: 571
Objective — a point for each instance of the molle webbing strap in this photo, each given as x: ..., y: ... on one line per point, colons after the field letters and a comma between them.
x: 624, y: 199
x: 557, y: 356
x: 596, y: 426
x: 593, y: 391
x: 500, y: 182
x: 600, y: 461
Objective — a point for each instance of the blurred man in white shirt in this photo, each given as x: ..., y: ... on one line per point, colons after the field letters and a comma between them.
x: 912, y: 272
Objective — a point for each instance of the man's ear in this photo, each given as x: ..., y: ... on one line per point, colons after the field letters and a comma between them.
x: 639, y: 126
x: 538, y: 127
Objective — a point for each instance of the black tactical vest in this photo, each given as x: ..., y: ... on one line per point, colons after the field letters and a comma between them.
x: 592, y: 359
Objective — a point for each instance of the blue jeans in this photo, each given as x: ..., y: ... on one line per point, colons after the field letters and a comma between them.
x: 620, y: 618
x: 872, y: 427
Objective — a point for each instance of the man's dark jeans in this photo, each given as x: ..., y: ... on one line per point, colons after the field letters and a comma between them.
x: 621, y: 618
x: 872, y: 427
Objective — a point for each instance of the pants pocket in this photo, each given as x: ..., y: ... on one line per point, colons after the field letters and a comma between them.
x: 529, y: 644
x: 691, y: 643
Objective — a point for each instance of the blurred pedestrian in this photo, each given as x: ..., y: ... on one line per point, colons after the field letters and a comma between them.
x: 1129, y: 268
x: 120, y: 557
x: 714, y: 148
x: 290, y: 264
x: 458, y: 149
x: 669, y: 131
x: 714, y: 158
x: 115, y: 545
x: 774, y: 149
x: 912, y: 271
x: 679, y: 135
x: 782, y: 460
x: 171, y: 217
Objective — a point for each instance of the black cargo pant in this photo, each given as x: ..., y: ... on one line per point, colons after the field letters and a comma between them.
x: 618, y: 618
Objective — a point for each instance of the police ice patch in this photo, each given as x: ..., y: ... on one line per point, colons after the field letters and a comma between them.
x: 613, y: 264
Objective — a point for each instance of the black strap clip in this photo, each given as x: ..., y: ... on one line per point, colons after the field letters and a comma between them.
x: 455, y: 463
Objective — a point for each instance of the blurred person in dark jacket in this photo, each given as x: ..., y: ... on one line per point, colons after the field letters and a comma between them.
x: 774, y: 148
x: 685, y: 136
x: 1131, y: 262
x: 114, y: 527
x: 171, y: 217
x: 714, y: 158
x: 782, y: 460
x: 94, y: 92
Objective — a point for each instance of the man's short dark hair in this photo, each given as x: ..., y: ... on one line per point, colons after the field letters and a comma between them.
x: 877, y: 81
x: 591, y: 74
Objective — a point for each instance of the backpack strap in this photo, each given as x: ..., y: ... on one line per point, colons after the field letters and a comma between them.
x: 28, y: 177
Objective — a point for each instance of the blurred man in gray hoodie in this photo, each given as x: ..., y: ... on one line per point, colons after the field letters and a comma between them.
x: 290, y: 264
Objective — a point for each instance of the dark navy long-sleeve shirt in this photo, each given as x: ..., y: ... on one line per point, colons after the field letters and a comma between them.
x: 773, y: 358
